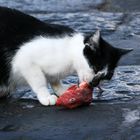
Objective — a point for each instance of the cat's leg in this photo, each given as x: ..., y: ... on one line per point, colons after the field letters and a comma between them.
x: 36, y: 79
x: 85, y: 76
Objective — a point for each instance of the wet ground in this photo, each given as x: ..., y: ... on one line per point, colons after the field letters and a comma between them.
x: 116, y: 114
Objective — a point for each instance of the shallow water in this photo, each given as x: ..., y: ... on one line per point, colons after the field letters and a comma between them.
x: 85, y: 16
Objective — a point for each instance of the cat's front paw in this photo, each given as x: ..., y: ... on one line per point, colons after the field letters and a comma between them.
x: 87, y: 77
x: 48, y: 100
x: 52, y: 99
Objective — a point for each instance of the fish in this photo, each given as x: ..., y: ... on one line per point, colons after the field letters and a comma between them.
x: 75, y: 96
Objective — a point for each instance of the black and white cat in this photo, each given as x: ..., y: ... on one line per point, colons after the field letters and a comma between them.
x: 38, y: 53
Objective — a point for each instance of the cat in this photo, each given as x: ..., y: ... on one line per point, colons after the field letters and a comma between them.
x: 36, y: 53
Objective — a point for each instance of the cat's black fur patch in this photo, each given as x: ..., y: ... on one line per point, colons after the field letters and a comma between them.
x: 101, y: 54
x: 17, y: 28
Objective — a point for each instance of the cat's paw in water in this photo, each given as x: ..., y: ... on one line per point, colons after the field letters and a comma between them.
x: 48, y: 100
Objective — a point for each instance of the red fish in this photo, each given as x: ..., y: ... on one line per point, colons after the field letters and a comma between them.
x: 76, y: 96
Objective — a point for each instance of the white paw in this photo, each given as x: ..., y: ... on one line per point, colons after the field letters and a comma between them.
x: 47, y: 100
x: 52, y: 99
x: 86, y: 78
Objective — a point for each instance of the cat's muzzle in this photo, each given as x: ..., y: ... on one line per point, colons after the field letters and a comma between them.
x: 96, y: 80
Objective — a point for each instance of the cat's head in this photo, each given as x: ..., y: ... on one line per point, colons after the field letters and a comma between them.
x: 101, y: 56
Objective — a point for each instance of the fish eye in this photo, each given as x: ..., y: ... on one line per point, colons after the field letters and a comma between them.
x: 72, y: 100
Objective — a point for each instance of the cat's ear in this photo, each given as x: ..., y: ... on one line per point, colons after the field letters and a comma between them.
x: 124, y: 51
x: 96, y: 37
x: 93, y: 40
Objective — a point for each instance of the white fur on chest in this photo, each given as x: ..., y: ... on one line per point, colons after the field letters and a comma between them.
x: 54, y: 56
